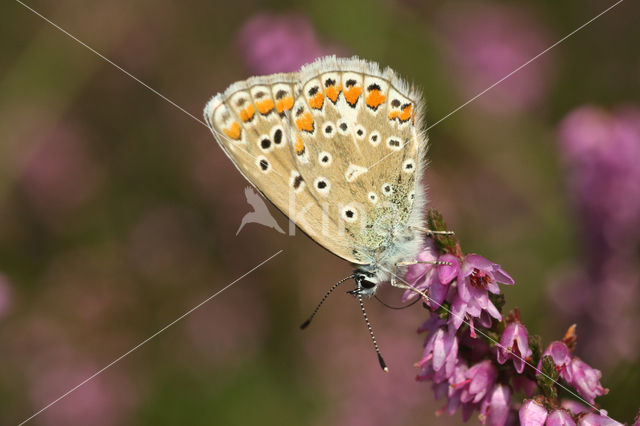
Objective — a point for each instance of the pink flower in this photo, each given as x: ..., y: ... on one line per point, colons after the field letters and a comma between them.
x: 442, y: 350
x: 478, y: 276
x: 5, y: 296
x: 586, y: 380
x: 487, y: 42
x: 532, y: 413
x: 272, y: 43
x: 431, y: 278
x: 495, y: 407
x: 514, y: 344
x: 560, y: 418
x: 593, y: 419
x: 480, y: 378
x: 561, y: 358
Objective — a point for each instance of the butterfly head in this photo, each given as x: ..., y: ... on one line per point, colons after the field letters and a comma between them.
x: 366, y: 283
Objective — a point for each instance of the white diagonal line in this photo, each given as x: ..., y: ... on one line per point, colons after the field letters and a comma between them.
x: 112, y: 63
x: 147, y: 339
x: 513, y: 72
x: 498, y: 344
x: 214, y: 131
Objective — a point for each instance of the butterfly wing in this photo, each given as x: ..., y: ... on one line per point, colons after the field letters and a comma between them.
x: 251, y: 122
x: 357, y: 146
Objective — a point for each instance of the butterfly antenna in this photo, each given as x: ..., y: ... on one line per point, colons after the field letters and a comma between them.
x: 397, y: 307
x: 315, y: 311
x: 383, y: 365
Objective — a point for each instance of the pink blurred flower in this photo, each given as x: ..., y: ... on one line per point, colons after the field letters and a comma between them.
x: 514, y: 344
x: 272, y: 43
x: 560, y: 418
x: 593, y: 419
x: 561, y: 358
x: 480, y: 378
x: 59, y: 172
x: 495, y: 407
x: 486, y: 43
x: 586, y: 380
x: 601, y: 151
x: 532, y: 413
x: 5, y: 296
x: 442, y: 350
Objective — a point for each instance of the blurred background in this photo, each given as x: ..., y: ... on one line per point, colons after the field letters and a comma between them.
x: 118, y: 211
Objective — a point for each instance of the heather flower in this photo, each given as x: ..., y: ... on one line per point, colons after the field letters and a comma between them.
x: 560, y: 418
x: 478, y: 276
x: 480, y: 378
x: 559, y: 352
x: 442, y: 350
x: 495, y: 407
x: 487, y: 42
x: 593, y: 419
x: 431, y: 278
x: 586, y: 380
x: 274, y: 43
x: 514, y: 344
x: 5, y: 296
x: 532, y: 413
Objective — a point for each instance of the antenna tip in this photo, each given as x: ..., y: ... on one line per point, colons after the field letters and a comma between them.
x: 305, y: 324
x: 383, y: 365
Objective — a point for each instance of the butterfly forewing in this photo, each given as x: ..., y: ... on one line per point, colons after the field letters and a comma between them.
x: 252, y: 123
x: 335, y: 147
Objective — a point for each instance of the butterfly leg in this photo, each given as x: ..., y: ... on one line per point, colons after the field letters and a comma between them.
x: 431, y: 232
x: 428, y: 262
x: 404, y: 285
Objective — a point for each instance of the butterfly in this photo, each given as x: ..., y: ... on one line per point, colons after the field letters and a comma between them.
x: 337, y: 147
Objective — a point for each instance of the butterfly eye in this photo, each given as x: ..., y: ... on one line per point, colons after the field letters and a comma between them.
x: 265, y: 144
x: 343, y: 127
x: 367, y: 284
x: 277, y: 136
x: 350, y: 214
x: 328, y: 129
x: 374, y: 138
x: 323, y: 185
x: 409, y: 165
x: 394, y: 143
x: 325, y: 159
x: 263, y: 164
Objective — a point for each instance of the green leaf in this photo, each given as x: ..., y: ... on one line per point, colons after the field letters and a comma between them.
x: 547, y: 378
x: 444, y: 243
x: 535, y: 344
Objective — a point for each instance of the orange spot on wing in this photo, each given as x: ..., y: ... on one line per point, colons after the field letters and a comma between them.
x: 316, y: 101
x: 352, y: 94
x: 375, y: 98
x: 393, y: 114
x: 406, y: 113
x: 247, y: 113
x: 299, y: 146
x: 284, y: 104
x: 333, y: 92
x: 305, y: 122
x: 233, y: 131
x: 265, y: 106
